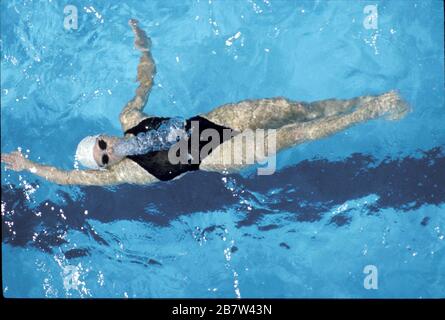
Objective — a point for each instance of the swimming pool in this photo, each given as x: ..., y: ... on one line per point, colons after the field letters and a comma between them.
x: 372, y: 195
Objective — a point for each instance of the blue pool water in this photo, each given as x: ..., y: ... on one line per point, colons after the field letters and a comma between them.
x: 370, y: 195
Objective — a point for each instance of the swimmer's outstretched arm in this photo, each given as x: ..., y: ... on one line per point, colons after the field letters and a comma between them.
x: 132, y: 112
x: 17, y: 162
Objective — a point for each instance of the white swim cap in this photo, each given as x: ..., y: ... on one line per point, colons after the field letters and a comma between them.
x: 84, y: 152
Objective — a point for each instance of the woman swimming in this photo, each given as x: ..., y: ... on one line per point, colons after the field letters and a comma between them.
x: 144, y: 154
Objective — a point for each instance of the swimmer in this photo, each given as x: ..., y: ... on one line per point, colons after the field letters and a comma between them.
x: 142, y: 155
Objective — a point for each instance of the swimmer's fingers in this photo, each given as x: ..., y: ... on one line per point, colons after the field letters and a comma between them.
x: 141, y: 41
x: 133, y: 22
x: 15, y: 161
x: 8, y: 160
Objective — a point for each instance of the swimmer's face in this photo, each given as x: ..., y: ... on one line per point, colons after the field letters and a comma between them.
x: 103, y: 151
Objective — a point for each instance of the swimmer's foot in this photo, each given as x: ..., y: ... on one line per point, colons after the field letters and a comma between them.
x: 141, y: 41
x: 389, y: 105
x: 396, y: 108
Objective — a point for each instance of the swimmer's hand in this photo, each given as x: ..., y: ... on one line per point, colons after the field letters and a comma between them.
x: 141, y: 41
x: 15, y: 161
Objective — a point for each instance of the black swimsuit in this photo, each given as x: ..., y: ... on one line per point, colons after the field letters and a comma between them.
x: 156, y: 162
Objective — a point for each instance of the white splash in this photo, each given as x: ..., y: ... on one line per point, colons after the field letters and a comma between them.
x: 230, y: 40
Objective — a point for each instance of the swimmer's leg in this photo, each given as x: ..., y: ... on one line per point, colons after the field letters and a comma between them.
x: 276, y: 112
x: 260, y: 113
x: 389, y: 105
x: 132, y: 112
